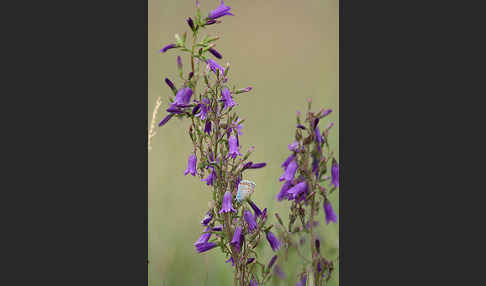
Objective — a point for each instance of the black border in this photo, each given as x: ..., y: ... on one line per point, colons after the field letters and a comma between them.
x: 79, y: 142
x: 404, y: 77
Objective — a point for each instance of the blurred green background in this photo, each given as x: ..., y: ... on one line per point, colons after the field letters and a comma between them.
x: 288, y: 52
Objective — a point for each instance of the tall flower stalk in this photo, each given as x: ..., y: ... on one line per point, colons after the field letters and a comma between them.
x: 307, y: 185
x: 217, y: 156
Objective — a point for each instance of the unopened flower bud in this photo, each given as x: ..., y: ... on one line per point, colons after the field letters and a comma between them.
x: 179, y: 62
x: 196, y: 109
x: 272, y: 261
x: 190, y: 23
x: 211, y: 21
x: 242, y: 90
x: 215, y: 53
x: 326, y: 113
x: 170, y: 84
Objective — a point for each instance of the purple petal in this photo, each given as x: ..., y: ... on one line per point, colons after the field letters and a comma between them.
x: 170, y: 46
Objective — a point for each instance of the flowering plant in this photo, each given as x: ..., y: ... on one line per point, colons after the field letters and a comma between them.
x: 233, y: 223
x: 308, y: 186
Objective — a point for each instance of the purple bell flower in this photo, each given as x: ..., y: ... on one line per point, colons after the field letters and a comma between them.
x: 227, y: 205
x: 183, y: 96
x: 283, y: 191
x: 170, y: 46
x: 227, y: 98
x: 296, y: 190
x: 287, y: 161
x: 233, y: 147
x: 236, y: 241
x: 250, y: 220
x: 204, y: 109
x: 204, y: 237
x: 165, y: 120
x: 214, y: 66
x: 221, y: 11
x: 191, y: 165
x: 273, y: 241
x: 203, y: 247
x: 209, y: 216
x: 207, y: 127
x: 289, y: 173
x: 335, y: 173
x: 294, y: 146
x: 329, y: 212
x: 255, y: 208
x: 238, y: 126
x: 210, y: 178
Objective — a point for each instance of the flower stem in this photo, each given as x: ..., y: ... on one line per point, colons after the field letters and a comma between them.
x: 194, y: 38
x: 312, y: 242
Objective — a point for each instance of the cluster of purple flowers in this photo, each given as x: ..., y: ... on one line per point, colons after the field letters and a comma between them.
x: 304, y: 185
x: 297, y: 189
x: 233, y: 223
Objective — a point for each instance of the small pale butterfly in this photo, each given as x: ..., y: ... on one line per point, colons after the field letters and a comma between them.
x: 245, y: 189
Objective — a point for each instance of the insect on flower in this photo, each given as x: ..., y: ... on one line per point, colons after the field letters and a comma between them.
x: 245, y: 190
